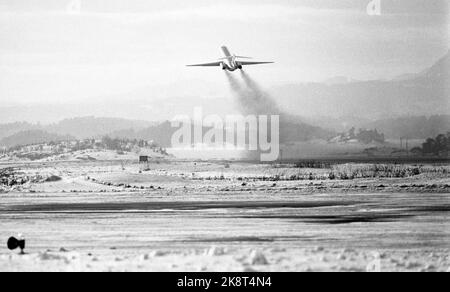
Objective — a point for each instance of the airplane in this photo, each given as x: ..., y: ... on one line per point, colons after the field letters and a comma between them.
x: 230, y: 62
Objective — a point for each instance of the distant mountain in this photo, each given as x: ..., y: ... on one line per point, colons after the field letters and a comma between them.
x: 295, y: 129
x: 292, y: 129
x: 161, y: 134
x: 438, y: 75
x: 412, y: 127
x: 337, y: 80
x: 91, y: 127
x: 426, y: 93
x: 406, y: 76
x: 79, y: 128
x: 13, y: 128
x: 341, y: 124
x: 32, y: 137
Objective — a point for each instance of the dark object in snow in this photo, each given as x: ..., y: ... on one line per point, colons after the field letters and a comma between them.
x: 14, y: 243
x: 53, y: 178
x: 143, y: 159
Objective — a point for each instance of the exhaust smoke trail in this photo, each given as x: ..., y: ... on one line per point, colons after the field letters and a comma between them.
x: 264, y: 103
x: 252, y: 101
x: 234, y: 84
x: 251, y: 98
x: 245, y: 100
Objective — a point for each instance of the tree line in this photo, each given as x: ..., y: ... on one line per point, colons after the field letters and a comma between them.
x: 439, y: 146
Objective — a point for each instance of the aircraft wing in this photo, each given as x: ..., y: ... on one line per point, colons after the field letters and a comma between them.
x: 244, y: 63
x: 215, y: 64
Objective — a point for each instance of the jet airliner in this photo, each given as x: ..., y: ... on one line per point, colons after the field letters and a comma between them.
x: 230, y: 62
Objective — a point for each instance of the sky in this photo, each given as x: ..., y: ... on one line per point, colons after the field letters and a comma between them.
x: 77, y: 51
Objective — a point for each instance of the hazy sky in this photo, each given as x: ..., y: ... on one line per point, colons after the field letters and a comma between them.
x: 52, y: 54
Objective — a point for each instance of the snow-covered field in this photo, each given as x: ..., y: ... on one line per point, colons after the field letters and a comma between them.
x: 199, y: 216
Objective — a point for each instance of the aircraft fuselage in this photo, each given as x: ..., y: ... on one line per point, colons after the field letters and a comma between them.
x: 231, y: 64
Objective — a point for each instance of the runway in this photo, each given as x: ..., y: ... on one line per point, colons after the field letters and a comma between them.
x: 369, y: 221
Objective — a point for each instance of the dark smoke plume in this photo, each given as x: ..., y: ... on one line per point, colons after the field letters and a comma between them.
x: 237, y: 89
x: 253, y: 100
x: 263, y: 102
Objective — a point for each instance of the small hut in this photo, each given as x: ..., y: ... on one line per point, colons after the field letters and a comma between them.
x: 143, y: 159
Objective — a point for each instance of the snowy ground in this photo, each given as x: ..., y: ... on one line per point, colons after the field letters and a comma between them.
x: 186, y: 216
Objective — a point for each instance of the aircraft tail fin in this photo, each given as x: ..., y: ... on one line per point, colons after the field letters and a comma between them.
x: 226, y: 52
